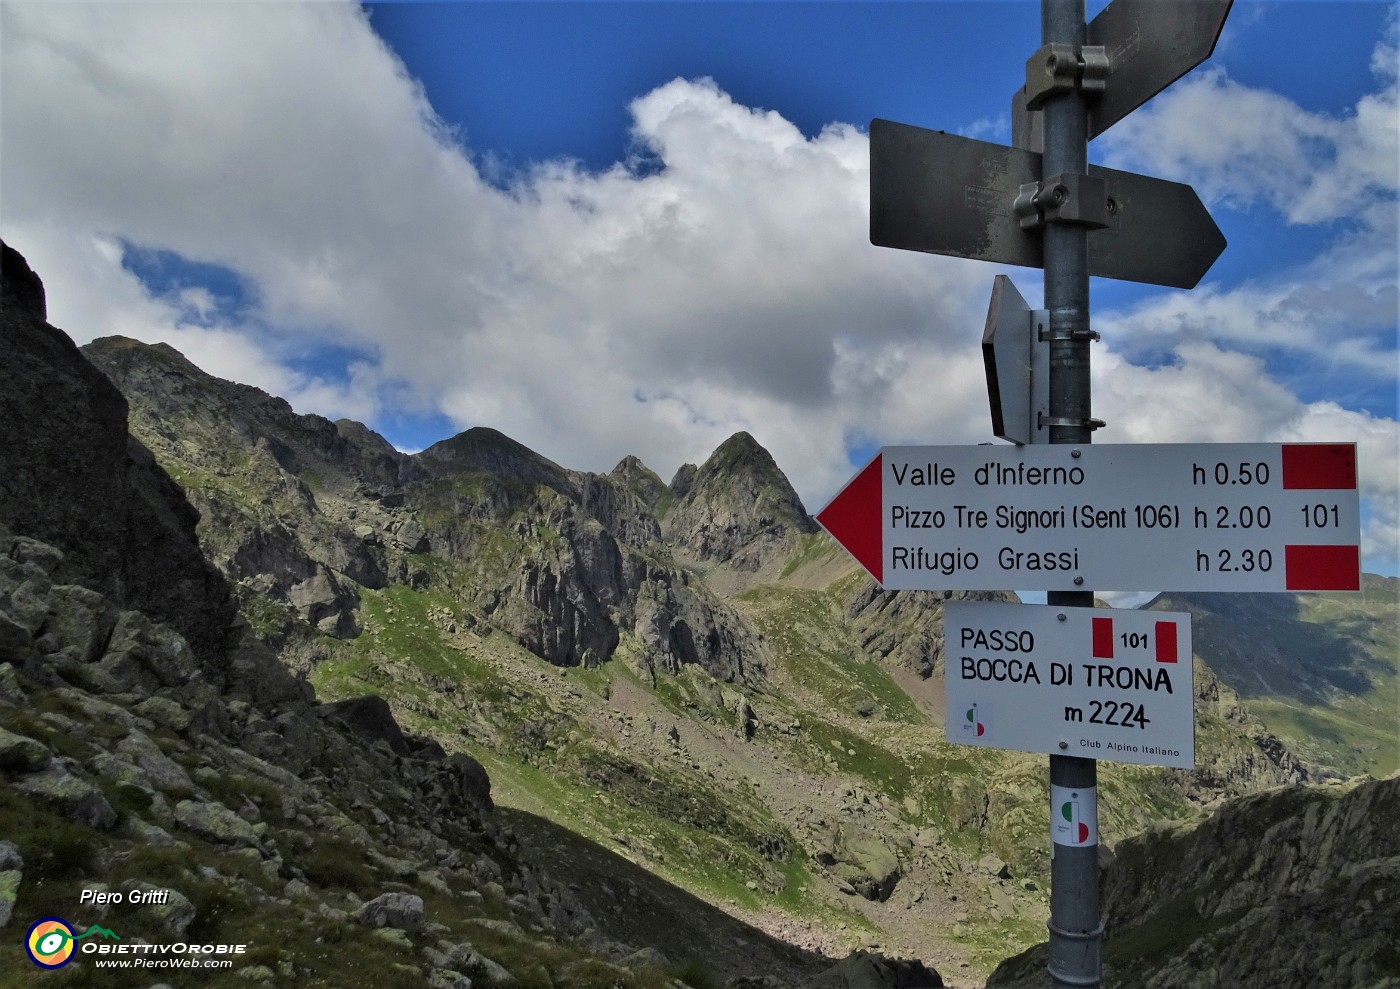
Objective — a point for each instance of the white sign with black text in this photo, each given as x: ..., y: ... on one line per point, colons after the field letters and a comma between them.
x: 1137, y: 517
x: 1095, y: 683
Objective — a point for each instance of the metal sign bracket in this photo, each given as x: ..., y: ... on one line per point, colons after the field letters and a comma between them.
x: 1058, y: 68
x: 1045, y: 333
x: 1080, y: 200
x: 1043, y: 421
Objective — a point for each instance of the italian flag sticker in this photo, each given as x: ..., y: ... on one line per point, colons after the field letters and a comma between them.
x: 974, y: 723
x: 1074, y: 816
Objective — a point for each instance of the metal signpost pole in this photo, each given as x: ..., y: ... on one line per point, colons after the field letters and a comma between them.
x: 1035, y: 205
x: 1075, y: 930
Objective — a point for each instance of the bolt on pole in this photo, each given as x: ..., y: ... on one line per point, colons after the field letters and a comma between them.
x: 1075, y: 928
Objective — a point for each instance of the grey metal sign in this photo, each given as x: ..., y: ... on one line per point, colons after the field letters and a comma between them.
x: 944, y: 194
x: 1017, y: 365
x: 1149, y: 44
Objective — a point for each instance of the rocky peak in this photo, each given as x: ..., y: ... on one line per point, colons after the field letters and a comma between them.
x: 641, y: 480
x: 683, y: 480
x: 739, y: 508
x: 172, y: 398
x: 293, y: 507
x: 489, y: 451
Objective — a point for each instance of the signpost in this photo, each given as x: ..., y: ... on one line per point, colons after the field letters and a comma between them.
x: 1181, y: 517
x: 1104, y: 684
x: 1068, y: 516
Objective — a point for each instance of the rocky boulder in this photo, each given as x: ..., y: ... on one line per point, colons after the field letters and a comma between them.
x: 401, y: 910
x: 871, y: 970
x: 861, y: 863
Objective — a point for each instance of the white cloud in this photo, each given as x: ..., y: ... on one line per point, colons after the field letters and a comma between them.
x: 1338, y: 311
x: 1216, y: 396
x: 589, y: 315
x: 1311, y: 167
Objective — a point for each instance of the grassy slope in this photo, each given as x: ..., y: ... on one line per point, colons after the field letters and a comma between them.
x: 551, y: 743
x: 1353, y: 733
x: 588, y: 751
x: 1321, y: 671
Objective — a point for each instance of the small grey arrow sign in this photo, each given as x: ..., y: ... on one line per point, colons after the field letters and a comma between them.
x: 944, y: 194
x: 1017, y: 365
x: 1150, y: 44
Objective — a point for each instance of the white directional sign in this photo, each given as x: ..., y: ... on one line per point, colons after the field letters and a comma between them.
x: 1098, y: 684
x: 1187, y: 517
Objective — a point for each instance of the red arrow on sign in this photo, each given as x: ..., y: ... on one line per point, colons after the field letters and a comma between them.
x: 853, y: 518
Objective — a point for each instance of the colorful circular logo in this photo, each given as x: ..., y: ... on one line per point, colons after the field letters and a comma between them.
x: 50, y: 943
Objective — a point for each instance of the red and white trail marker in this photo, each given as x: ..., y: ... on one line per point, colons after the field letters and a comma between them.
x: 1163, y: 638
x: 1180, y: 517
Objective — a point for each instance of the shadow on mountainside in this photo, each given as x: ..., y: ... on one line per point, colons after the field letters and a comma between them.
x: 638, y: 908
x: 1261, y: 645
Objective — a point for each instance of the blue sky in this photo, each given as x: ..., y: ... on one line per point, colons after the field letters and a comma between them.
x: 613, y: 228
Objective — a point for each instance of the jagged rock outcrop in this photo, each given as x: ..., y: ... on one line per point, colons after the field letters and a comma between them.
x: 122, y: 526
x: 641, y: 480
x: 293, y: 507
x: 1295, y: 886
x: 683, y: 480
x: 905, y: 628
x: 1223, y: 766
x: 1290, y: 887
x: 568, y: 561
x: 737, y: 508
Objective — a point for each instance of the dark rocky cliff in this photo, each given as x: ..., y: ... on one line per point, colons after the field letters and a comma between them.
x: 1298, y: 886
x: 71, y: 475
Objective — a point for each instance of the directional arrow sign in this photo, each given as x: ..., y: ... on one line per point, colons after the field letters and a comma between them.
x: 1180, y: 517
x: 1150, y: 44
x: 944, y: 194
x: 1017, y: 365
x: 1074, y: 681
